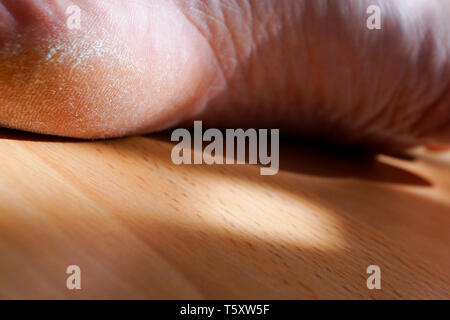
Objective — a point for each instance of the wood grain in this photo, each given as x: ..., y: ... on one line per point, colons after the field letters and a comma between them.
x: 142, y: 227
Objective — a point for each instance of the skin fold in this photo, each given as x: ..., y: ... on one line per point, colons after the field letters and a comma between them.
x: 311, y: 68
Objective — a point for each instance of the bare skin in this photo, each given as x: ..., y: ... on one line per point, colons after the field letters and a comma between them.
x: 311, y: 68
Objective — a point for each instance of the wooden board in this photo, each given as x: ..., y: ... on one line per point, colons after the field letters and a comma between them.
x: 141, y: 227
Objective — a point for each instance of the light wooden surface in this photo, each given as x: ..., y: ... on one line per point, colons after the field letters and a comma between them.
x: 141, y: 227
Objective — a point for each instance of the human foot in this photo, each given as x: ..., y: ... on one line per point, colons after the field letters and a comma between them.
x: 311, y: 68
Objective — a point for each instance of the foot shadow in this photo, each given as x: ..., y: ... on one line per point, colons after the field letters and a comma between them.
x: 335, y: 162
x: 295, y: 157
x: 328, y: 161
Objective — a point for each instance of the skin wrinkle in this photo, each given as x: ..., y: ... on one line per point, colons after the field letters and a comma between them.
x: 402, y: 90
x: 420, y: 91
x: 329, y: 87
x: 221, y: 82
x: 378, y: 112
x: 315, y: 81
x: 241, y: 47
x: 224, y: 71
x: 311, y: 93
x: 275, y: 79
x: 247, y: 63
x: 437, y: 97
x: 223, y: 48
x: 375, y: 108
x: 428, y: 69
